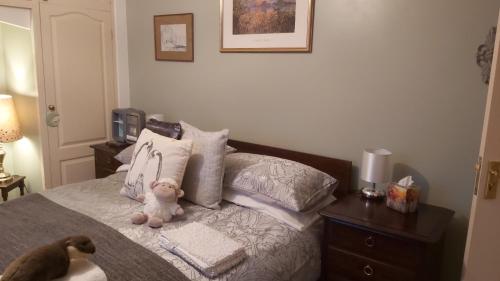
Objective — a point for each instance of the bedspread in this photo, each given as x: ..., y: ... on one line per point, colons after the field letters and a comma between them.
x: 33, y: 221
x: 276, y: 251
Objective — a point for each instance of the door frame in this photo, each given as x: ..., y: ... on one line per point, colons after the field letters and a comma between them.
x: 482, y: 207
x: 34, y: 6
x: 36, y: 33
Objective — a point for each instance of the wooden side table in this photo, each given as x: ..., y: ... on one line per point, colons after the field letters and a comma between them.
x: 105, y: 163
x: 365, y: 240
x: 6, y: 187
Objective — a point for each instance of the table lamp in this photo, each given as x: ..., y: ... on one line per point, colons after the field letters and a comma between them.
x: 375, y: 169
x: 10, y: 130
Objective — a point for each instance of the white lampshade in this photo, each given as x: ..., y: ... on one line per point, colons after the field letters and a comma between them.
x: 10, y: 129
x: 375, y: 167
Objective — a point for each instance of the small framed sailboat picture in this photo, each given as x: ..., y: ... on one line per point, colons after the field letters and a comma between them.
x: 174, y: 37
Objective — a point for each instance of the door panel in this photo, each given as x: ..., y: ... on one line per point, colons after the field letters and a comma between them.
x: 77, y: 170
x: 79, y: 79
x: 105, y: 5
x: 483, y: 246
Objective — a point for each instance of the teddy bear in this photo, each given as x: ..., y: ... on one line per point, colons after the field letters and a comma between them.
x: 160, y: 203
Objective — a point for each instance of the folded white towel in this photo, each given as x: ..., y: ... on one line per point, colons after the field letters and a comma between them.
x: 83, y: 270
x: 210, y: 251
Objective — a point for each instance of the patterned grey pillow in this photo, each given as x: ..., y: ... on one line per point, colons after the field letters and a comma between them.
x: 290, y: 184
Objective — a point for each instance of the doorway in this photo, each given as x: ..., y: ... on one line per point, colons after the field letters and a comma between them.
x: 18, y: 79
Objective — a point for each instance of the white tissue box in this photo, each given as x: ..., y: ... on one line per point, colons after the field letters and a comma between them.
x: 403, y: 199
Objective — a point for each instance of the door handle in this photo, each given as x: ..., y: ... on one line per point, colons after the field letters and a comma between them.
x: 52, y: 118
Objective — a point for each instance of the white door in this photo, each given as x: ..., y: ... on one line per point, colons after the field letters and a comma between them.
x: 482, y: 254
x: 78, y: 62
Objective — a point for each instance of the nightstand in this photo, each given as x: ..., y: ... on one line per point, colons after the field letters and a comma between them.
x: 105, y: 162
x: 16, y: 182
x: 365, y: 240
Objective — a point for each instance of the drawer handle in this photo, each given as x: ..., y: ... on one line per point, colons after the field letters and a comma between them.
x: 368, y: 270
x: 370, y: 242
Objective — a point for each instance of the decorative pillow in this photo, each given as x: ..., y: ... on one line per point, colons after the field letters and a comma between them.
x: 290, y: 184
x: 155, y: 157
x: 125, y: 156
x: 230, y: 149
x: 166, y: 129
x: 205, y: 170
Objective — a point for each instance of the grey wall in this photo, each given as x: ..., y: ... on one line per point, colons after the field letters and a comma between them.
x: 397, y: 74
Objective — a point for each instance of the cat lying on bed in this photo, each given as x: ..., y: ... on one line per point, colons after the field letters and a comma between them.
x: 49, y: 262
x: 160, y: 204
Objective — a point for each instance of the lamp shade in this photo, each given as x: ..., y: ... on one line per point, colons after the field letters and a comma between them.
x: 10, y: 129
x: 375, y: 166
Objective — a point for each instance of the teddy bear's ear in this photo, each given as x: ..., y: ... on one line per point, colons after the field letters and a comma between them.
x: 179, y: 192
x: 153, y: 184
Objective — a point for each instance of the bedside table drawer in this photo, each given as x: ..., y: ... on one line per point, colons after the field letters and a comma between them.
x: 373, y: 245
x: 344, y: 265
x: 103, y: 172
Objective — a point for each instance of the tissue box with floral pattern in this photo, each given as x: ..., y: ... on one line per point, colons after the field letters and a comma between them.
x: 403, y: 198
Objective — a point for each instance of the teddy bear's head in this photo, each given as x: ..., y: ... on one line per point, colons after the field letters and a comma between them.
x: 166, y: 190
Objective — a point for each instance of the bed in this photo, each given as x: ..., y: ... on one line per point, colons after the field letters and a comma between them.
x: 275, y: 250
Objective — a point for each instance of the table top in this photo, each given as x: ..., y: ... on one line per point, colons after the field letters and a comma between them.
x: 426, y: 225
x: 14, y: 182
x: 109, y: 148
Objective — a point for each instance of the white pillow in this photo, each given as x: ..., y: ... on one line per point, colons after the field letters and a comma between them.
x: 155, y: 157
x: 297, y: 220
x: 205, y: 170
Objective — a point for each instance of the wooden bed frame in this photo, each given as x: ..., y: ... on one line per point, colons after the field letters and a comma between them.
x: 339, y: 169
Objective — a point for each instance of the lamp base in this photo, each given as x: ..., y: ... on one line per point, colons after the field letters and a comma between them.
x: 372, y: 193
x: 5, y: 177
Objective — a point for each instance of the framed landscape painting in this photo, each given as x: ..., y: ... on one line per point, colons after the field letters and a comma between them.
x: 266, y: 25
x: 174, y: 37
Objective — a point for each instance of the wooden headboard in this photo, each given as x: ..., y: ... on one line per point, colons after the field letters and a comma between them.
x: 339, y: 169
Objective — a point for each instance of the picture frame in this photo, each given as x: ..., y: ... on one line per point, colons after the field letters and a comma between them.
x: 174, y: 37
x: 250, y: 26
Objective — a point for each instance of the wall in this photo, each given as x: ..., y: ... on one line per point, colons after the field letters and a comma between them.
x: 23, y: 156
x: 122, y: 64
x: 383, y: 73
x: 3, y: 85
